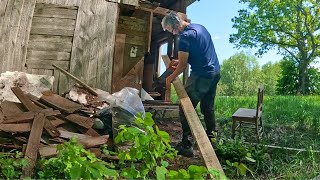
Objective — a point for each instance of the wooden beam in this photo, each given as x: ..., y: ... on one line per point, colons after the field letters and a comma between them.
x: 33, y: 145
x: 206, y: 150
x: 87, y: 87
x: 28, y: 104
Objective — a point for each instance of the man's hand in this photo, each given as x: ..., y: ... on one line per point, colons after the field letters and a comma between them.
x: 169, y: 80
x: 174, y: 63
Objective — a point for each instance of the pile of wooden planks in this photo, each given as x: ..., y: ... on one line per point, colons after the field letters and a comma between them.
x: 37, y: 125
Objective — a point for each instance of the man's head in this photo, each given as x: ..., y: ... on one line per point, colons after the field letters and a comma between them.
x: 172, y: 23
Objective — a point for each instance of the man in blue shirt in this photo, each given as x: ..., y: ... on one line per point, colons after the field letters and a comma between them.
x: 197, y: 49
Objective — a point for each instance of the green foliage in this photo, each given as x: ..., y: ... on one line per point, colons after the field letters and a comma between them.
x: 235, y: 71
x: 74, y: 162
x: 149, y: 146
x: 271, y: 74
x: 11, y: 165
x: 288, y: 82
x: 291, y: 26
x: 147, y: 155
x: 238, y: 158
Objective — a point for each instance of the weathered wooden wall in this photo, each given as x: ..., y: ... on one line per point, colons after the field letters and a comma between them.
x: 78, y: 35
x: 133, y: 42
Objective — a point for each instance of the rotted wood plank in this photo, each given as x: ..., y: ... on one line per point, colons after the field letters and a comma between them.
x: 85, y: 140
x: 45, y: 64
x: 48, y: 55
x: 82, y: 121
x: 60, y: 103
x: 16, y: 128
x: 33, y: 145
x: 206, y: 150
x: 8, y: 108
x: 50, y: 129
x: 54, y: 11
x: 27, y: 116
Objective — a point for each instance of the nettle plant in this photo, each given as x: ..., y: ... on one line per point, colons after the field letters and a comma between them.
x: 74, y: 162
x: 11, y: 165
x: 149, y: 149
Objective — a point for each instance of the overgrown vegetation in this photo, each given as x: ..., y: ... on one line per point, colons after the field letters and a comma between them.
x: 289, y: 122
x: 144, y: 156
x: 11, y: 165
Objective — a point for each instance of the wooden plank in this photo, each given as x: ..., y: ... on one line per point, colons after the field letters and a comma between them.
x: 27, y: 116
x: 23, y: 36
x: 60, y: 2
x: 57, y: 122
x: 28, y: 104
x: 8, y: 108
x: 48, y: 55
x: 60, y: 103
x: 50, y: 31
x: 15, y: 18
x: 56, y: 23
x: 118, y: 59
x: 46, y: 64
x: 15, y: 128
x: 54, y: 11
x: 93, y: 43
x: 206, y: 150
x: 50, y: 46
x: 85, y: 140
x: 89, y: 132
x: 82, y: 121
x: 47, y: 38
x: 87, y: 87
x: 132, y: 79
x: 33, y: 145
x: 5, y: 35
x: 48, y: 151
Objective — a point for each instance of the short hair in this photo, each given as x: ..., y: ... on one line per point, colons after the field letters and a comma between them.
x: 172, y: 19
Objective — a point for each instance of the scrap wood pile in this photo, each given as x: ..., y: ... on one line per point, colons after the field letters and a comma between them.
x: 36, y: 125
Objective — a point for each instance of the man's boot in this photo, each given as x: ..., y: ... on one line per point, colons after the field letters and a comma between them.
x: 185, y: 147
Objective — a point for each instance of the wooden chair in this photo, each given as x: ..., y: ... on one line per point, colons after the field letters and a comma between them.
x: 249, y: 117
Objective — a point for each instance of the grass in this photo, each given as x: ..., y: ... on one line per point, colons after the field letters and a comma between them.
x: 289, y: 121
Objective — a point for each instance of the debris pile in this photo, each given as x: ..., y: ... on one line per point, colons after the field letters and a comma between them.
x: 50, y: 119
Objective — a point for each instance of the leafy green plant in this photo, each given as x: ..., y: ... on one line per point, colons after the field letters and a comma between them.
x: 236, y: 154
x: 74, y: 162
x: 11, y: 165
x: 149, y: 147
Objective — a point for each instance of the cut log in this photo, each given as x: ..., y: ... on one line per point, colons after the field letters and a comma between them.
x: 206, y: 150
x: 33, y: 145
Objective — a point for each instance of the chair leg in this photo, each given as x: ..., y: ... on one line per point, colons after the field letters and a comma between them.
x: 257, y: 131
x: 233, y: 128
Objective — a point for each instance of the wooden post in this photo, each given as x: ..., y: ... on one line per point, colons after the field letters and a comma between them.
x: 206, y: 150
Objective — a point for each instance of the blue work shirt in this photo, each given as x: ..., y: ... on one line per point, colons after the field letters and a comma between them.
x: 196, y: 40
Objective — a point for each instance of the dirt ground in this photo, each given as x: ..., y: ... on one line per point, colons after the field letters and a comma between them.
x: 173, y: 128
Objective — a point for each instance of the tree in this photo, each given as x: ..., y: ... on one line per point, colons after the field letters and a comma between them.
x: 291, y: 26
x: 271, y: 74
x: 288, y: 81
x: 240, y: 75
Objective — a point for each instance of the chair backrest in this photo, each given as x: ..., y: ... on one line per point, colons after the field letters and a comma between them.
x: 259, y: 102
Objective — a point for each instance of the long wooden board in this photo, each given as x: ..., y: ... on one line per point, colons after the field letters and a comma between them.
x: 33, y: 145
x: 206, y: 150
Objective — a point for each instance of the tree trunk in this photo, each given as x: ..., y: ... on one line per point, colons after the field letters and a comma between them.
x: 303, y: 77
